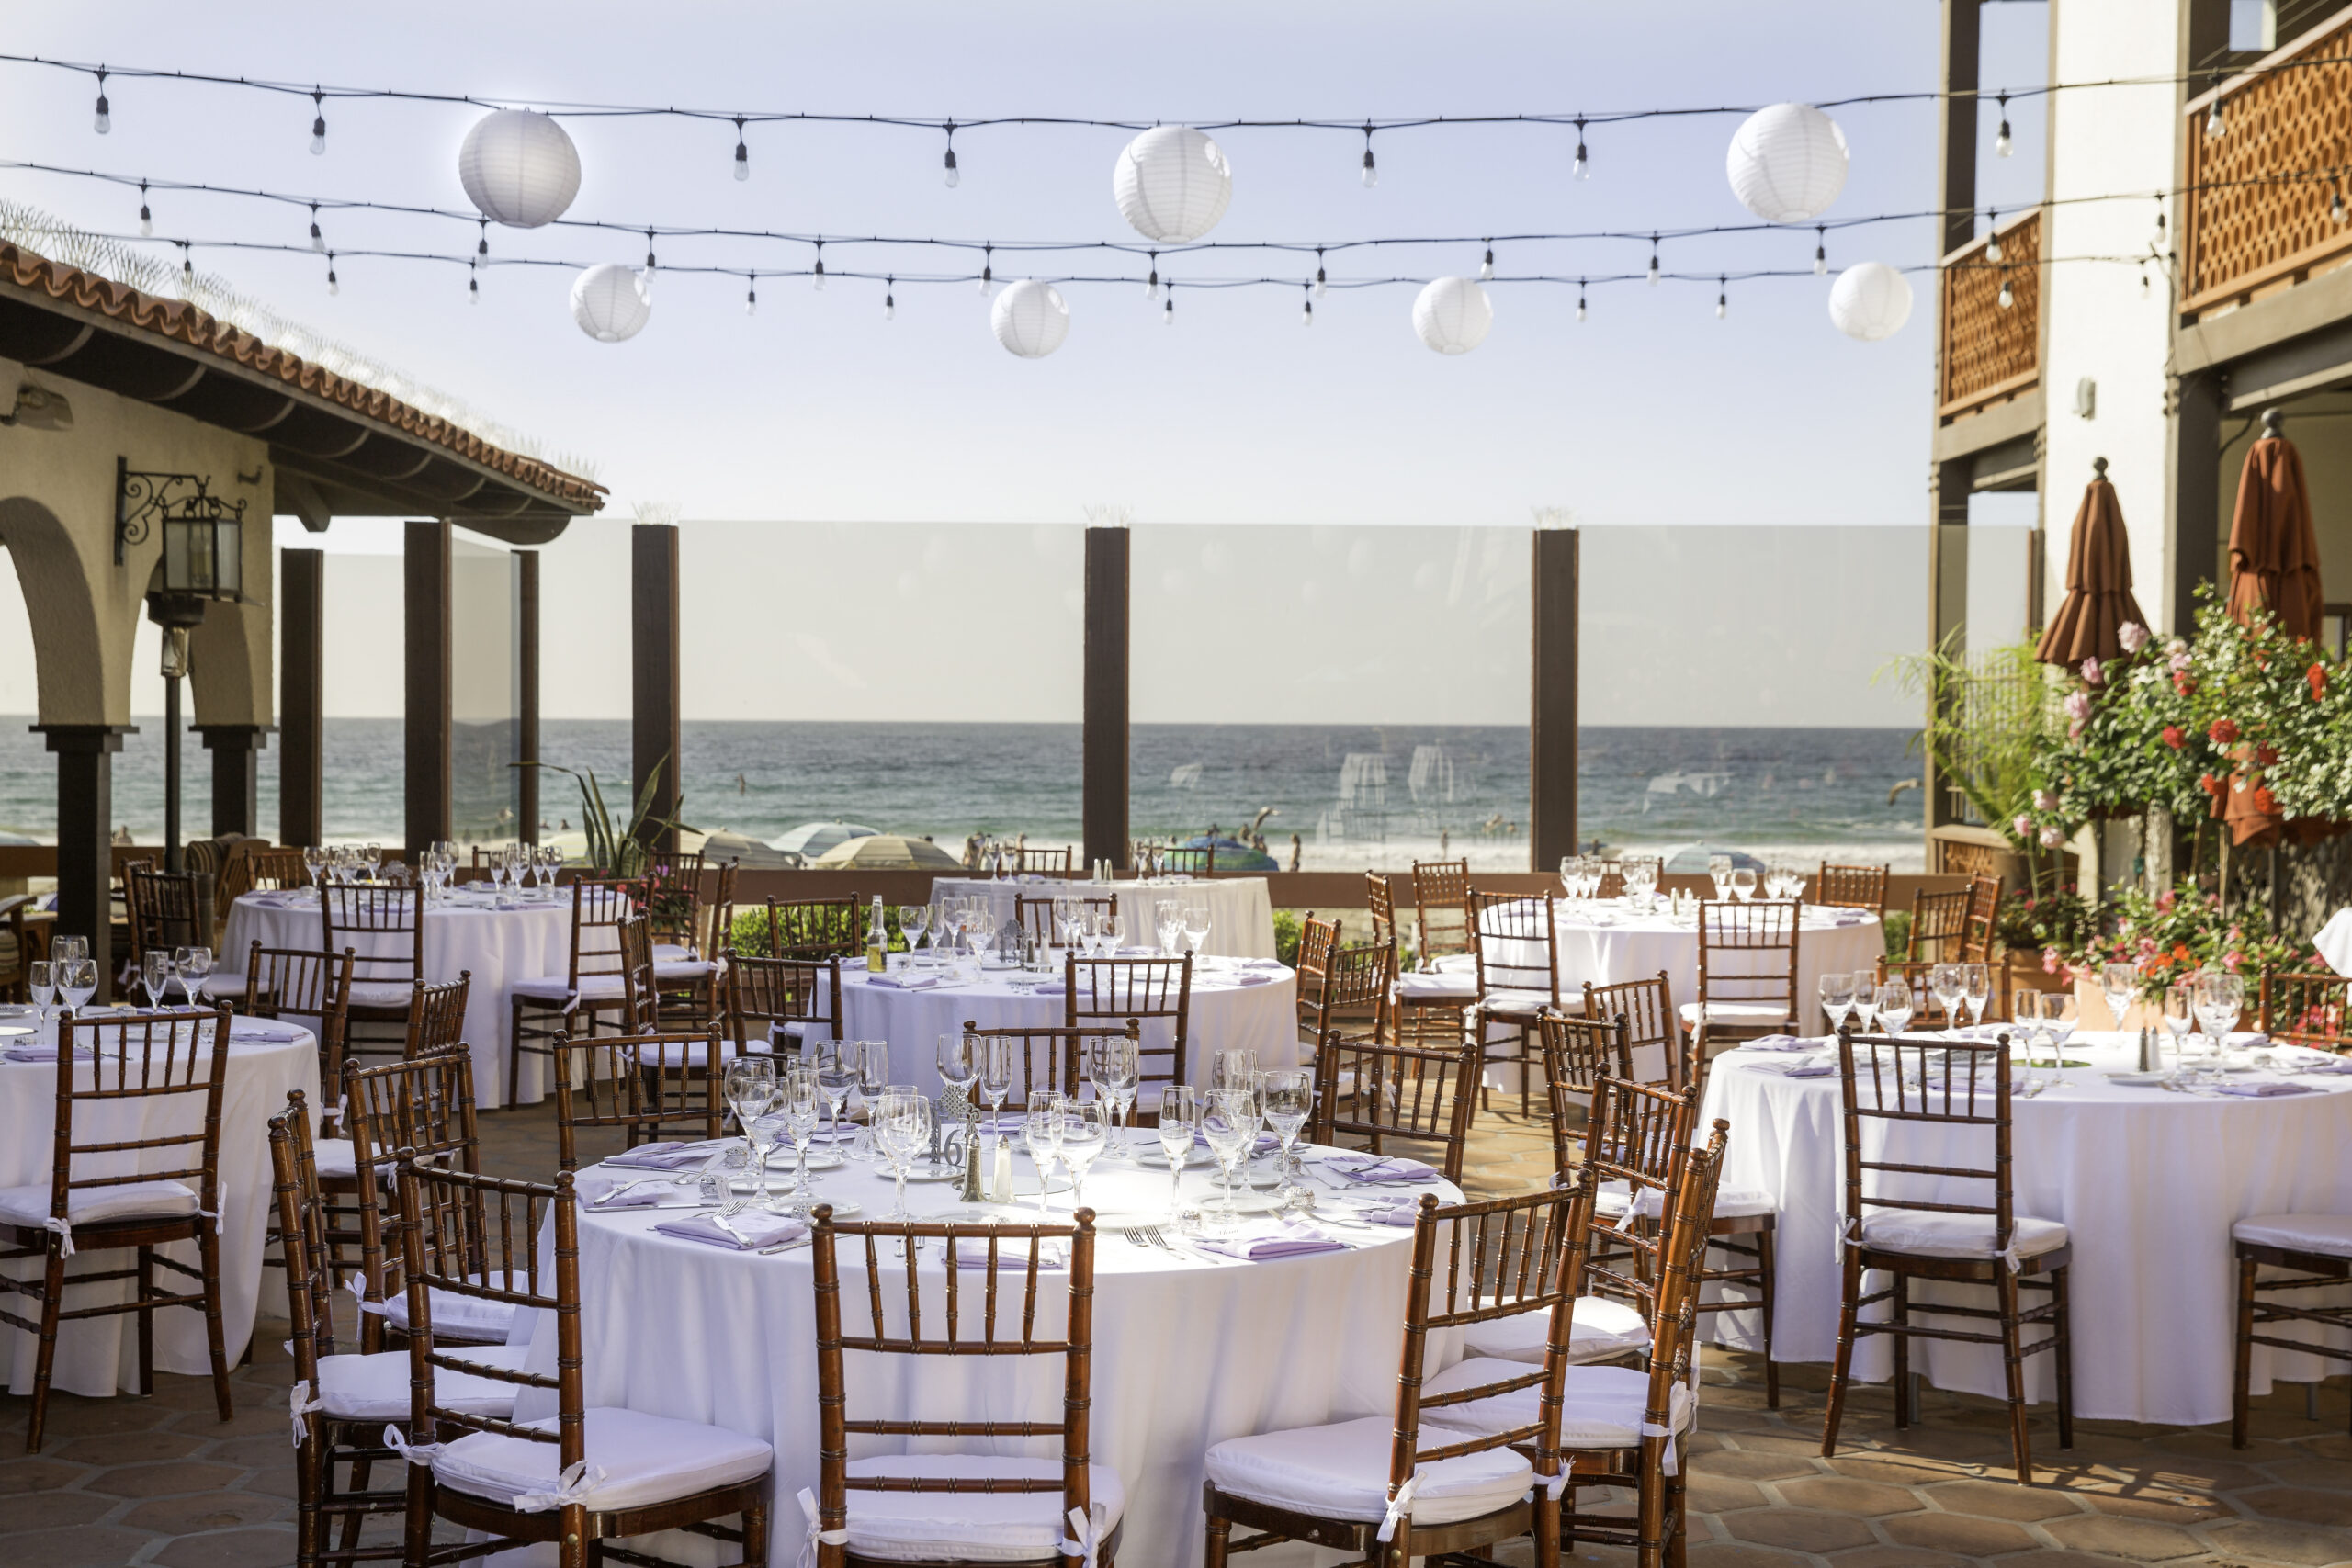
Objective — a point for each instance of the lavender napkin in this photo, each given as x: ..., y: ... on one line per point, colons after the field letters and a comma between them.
x: 1395, y: 1209
x: 1785, y: 1042
x: 904, y: 982
x: 1796, y: 1069
x: 2266, y: 1091
x: 1262, y: 1240
x: 1010, y: 1254
x: 32, y: 1052
x: 2332, y: 1065
x: 663, y: 1156
x: 1251, y: 978
x: 267, y: 1032
x: 1052, y: 988
x: 625, y: 1191
x: 1267, y: 1143
x: 1384, y: 1172
x: 758, y: 1228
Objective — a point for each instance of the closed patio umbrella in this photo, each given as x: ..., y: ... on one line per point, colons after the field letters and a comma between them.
x: 886, y: 852
x: 2098, y: 601
x: 2274, y: 554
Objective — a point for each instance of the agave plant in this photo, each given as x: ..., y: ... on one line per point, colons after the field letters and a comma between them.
x: 618, y: 852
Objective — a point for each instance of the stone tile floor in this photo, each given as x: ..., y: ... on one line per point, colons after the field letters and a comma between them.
x: 160, y: 1480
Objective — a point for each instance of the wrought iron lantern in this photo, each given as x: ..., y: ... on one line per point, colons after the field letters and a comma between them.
x: 203, y: 534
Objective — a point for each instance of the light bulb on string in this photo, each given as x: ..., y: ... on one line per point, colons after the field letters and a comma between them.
x: 1322, y: 287
x: 1653, y: 261
x: 2213, y: 125
x: 1306, y: 315
x: 751, y: 294
x: 1370, y: 169
x: 988, y: 270
x: 1579, y: 299
x: 2336, y: 206
x: 819, y: 279
x: 1821, y: 252
x: 890, y: 299
x: 1168, y: 307
x: 2002, y: 146
x: 1151, y: 284
x: 473, y: 285
x: 333, y: 287
x: 188, y: 264
x: 104, y: 120
x: 1993, y: 238
x: 318, y: 124
x: 1723, y: 298
x: 2163, y: 240
x: 954, y: 177
x: 147, y: 219
x: 318, y: 241
x: 1487, y: 268
x: 2005, y: 298
x: 2143, y: 279
x: 1582, y: 169
x: 743, y: 153
x: 650, y: 263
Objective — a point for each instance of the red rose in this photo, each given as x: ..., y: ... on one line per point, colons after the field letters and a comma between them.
x: 2264, y: 802
x: 2317, y: 675
x: 2224, y: 732
x: 2212, y: 785
x: 2174, y: 737
x: 2183, y: 685
x: 2266, y: 755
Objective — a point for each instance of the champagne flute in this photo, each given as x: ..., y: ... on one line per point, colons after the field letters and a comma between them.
x: 314, y: 861
x: 1041, y: 1128
x: 1113, y: 1068
x: 996, y: 1081
x: 1179, y: 1120
x: 1977, y: 991
x: 1287, y: 1095
x: 2180, y: 1017
x: 873, y: 1078
x: 1085, y: 1133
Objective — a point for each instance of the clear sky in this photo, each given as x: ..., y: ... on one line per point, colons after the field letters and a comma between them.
x: 1652, y: 412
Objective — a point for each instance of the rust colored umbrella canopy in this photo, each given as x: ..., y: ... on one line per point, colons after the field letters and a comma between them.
x: 2274, y: 554
x: 2098, y: 601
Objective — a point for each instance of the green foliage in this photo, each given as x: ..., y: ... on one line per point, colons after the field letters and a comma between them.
x: 2171, y: 935
x: 2057, y: 924
x: 617, y: 851
x: 1288, y: 928
x: 1895, y: 933
x: 749, y: 933
x: 1991, y: 720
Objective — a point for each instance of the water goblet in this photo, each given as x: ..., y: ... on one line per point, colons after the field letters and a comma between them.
x: 1719, y: 873
x: 69, y: 949
x: 1948, y: 983
x: 195, y: 964
x: 1111, y: 1067
x: 1196, y: 929
x: 751, y: 1089
x: 1085, y: 1133
x: 1235, y: 1068
x: 1894, y: 1006
x: 1287, y: 1097
x: 836, y: 1076
x: 1229, y: 1124
x: 1976, y: 990
x: 78, y: 980
x: 1167, y: 924
x: 901, y: 1124
x: 800, y: 1104
x: 2117, y: 981
x: 914, y: 920
x: 1865, y: 1002
x: 959, y: 1061
x: 2179, y: 1019
x: 1179, y: 1120
x: 1041, y: 1129
x: 1743, y: 884
x: 1836, y: 997
x: 155, y: 975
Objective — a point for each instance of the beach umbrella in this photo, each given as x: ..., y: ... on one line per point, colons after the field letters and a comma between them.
x: 1232, y: 855
x: 2273, y: 556
x: 813, y: 838
x: 886, y: 852
x: 2098, y: 601
x: 1691, y: 860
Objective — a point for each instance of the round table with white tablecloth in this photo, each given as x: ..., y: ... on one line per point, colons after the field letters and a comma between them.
x: 1188, y: 1349
x: 1234, y: 1004
x: 498, y: 939
x: 1241, y: 913
x: 2146, y: 1181
x: 99, y: 1356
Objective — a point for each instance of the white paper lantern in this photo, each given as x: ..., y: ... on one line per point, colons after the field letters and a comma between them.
x: 610, y: 302
x: 519, y: 168
x: 1030, y: 319
x: 1787, y: 163
x: 1869, y: 300
x: 1172, y: 184
x: 1452, y: 315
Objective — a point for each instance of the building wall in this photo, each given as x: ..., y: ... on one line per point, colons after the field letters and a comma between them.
x: 2099, y: 322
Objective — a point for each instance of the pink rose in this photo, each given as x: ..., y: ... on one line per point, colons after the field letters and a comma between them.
x: 2023, y: 824
x: 2090, y: 671
x: 2078, y: 705
x: 2050, y: 961
x: 2052, y: 838
x: 2132, y: 636
x: 2180, y: 659
x: 2046, y: 800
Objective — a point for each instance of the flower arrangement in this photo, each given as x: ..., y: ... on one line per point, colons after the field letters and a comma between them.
x: 2171, y: 935
x: 2059, y: 924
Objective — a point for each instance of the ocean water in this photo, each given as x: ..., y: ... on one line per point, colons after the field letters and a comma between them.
x: 1355, y: 795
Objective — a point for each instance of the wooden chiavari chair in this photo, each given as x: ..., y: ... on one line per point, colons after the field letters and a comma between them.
x: 312, y: 990
x: 773, y: 1005
x: 1379, y: 1093
x: 1851, y: 887
x: 1427, y: 1004
x: 1036, y: 916
x: 384, y: 926
x: 676, y: 917
x: 2313, y: 1009
x: 166, y: 909
x: 1027, y: 1279
x: 1747, y: 976
x: 553, y: 1479
x: 341, y: 1401
x: 1578, y: 1054
x: 1113, y: 990
x: 1628, y: 1418
x: 143, y: 1071
x: 424, y: 1106
x: 1043, y: 863
x: 1983, y: 915
x: 720, y: 934
x: 436, y: 1015
x: 817, y: 928
x: 596, y: 984
x: 2316, y: 1251
x: 1049, y: 1060
x: 654, y: 1086
x: 1928, y: 1090
x: 1651, y: 1026
x: 1380, y: 901
x: 1518, y: 948
x: 1351, y: 996
x: 1938, y: 926
x: 1441, y: 922
x: 1440, y: 1474
x: 1317, y: 940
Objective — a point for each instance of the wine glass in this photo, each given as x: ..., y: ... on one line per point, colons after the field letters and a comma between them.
x: 195, y: 965
x: 41, y: 979
x: 836, y: 1076
x: 1976, y: 989
x: 314, y: 861
x: 1719, y: 873
x: 996, y: 1080
x: 1041, y: 1128
x: 155, y: 975
x: 1865, y: 1002
x: 1196, y: 929
x: 69, y: 950
x: 1235, y: 1068
x: 1743, y: 884
x: 799, y: 1102
x: 1230, y: 1125
x: 2117, y: 981
x: 1111, y: 1067
x: 372, y: 857
x: 2180, y: 1017
x: 2061, y: 1013
x: 959, y: 1061
x: 901, y: 1124
x: 1113, y: 927
x: 1180, y: 1121
x: 1167, y: 924
x: 2220, y: 996
x: 873, y: 1078
x: 1568, y: 876
x: 1948, y: 983
x: 913, y: 919
x: 1836, y: 997
x: 1085, y: 1133
x: 79, y: 982
x: 1287, y: 1095
x: 1894, y: 1006
x: 751, y: 1089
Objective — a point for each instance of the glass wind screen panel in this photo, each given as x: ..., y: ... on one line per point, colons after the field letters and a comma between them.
x: 485, y: 693
x: 1735, y: 690
x: 919, y: 680
x: 363, y: 749
x: 1333, y: 698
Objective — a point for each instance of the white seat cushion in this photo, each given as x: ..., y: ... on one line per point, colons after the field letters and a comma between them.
x: 464, y: 1317
x: 335, y: 1157
x: 375, y: 1388
x: 646, y: 1460
x: 1954, y: 1235
x: 1340, y: 1472
x: 1600, y: 1329
x: 682, y: 971
x: 691, y: 1051
x: 1437, y: 988
x: 670, y: 952
x: 559, y: 989
x: 222, y: 985
x: 1006, y: 1527
x: 2329, y: 1233
x: 1731, y: 1202
x: 1737, y: 1014
x: 28, y: 1205
x: 381, y: 993
x: 1515, y: 1003
x: 1601, y: 1407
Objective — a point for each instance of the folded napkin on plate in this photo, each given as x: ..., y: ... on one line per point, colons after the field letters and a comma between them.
x: 627, y: 1191
x: 1796, y: 1069
x: 846, y: 1134
x: 1384, y: 1172
x: 267, y: 1032
x: 2323, y: 1069
x: 1393, y: 1209
x: 1786, y: 1042
x: 663, y: 1156
x: 971, y: 1252
x: 1250, y: 978
x: 2264, y: 1090
x: 904, y: 982
x: 1052, y: 988
x: 1267, y: 1143
x: 32, y: 1051
x: 1262, y: 1240
x: 758, y: 1228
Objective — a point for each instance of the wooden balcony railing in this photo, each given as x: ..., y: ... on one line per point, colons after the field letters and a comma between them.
x: 2260, y: 209
x: 1991, y: 351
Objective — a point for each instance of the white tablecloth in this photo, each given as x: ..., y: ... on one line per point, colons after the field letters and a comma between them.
x: 2147, y: 1182
x: 97, y: 1357
x: 1188, y: 1351
x: 1226, y: 1016
x: 516, y: 940
x: 1242, y: 916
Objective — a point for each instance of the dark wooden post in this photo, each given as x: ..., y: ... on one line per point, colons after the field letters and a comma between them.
x: 84, y: 755
x: 2194, y: 497
x: 302, y: 696
x: 1956, y: 131
x: 425, y: 730
x: 236, y: 772
x: 655, y: 740
x: 1102, y: 767
x: 527, y: 678
x: 1552, y: 717
x: 1948, y: 483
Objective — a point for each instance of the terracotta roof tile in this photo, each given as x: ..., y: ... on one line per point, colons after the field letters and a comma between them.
x: 186, y: 324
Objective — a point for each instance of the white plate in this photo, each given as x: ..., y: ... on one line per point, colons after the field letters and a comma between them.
x: 1157, y: 1158
x: 926, y: 1173
x: 818, y: 1159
